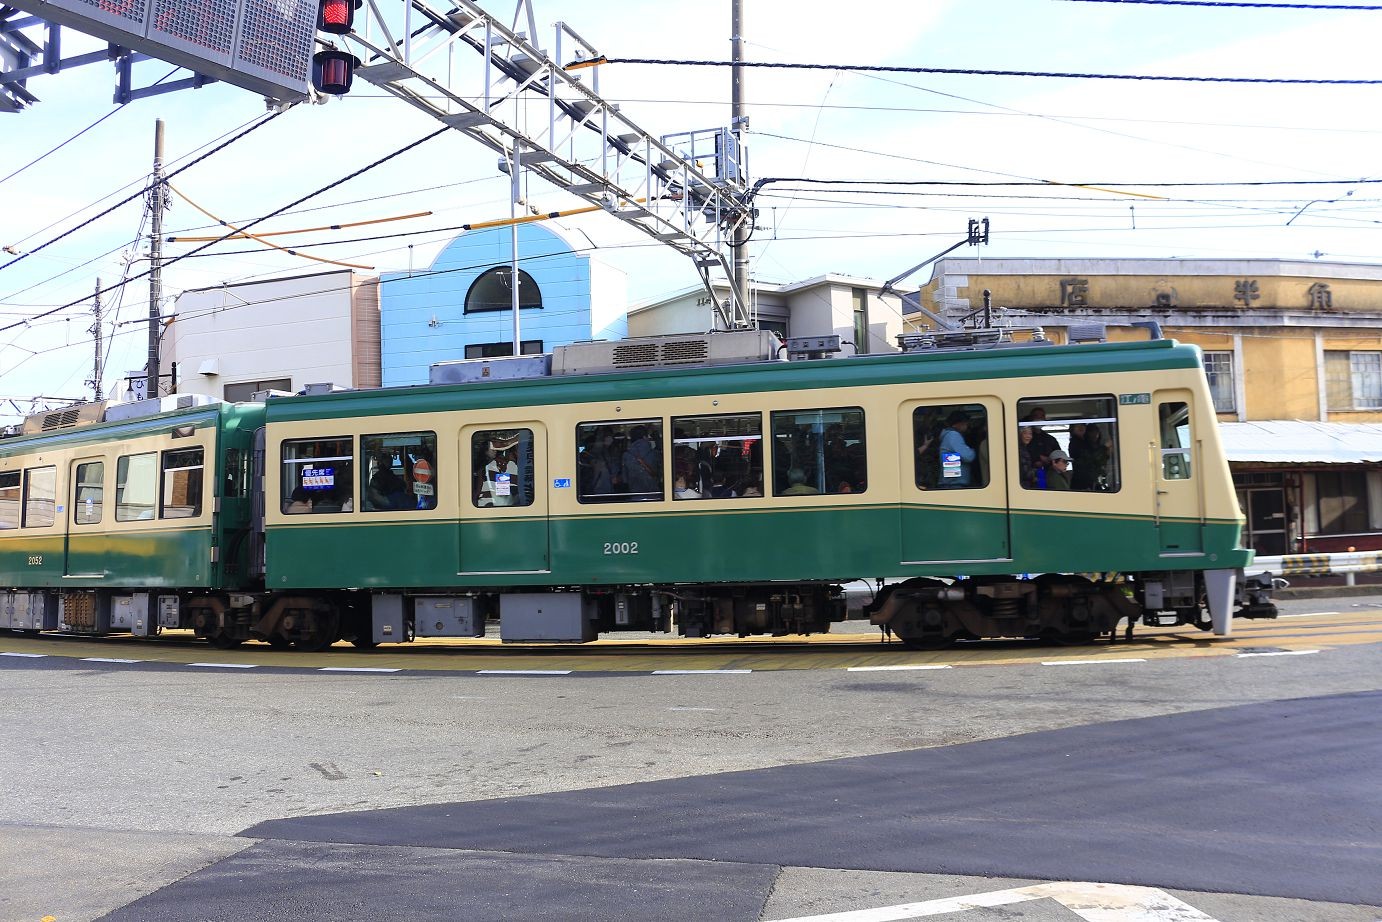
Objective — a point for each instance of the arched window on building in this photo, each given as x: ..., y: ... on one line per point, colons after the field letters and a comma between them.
x: 493, y: 291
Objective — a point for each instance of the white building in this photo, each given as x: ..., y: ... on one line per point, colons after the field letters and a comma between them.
x: 827, y: 304
x: 281, y: 334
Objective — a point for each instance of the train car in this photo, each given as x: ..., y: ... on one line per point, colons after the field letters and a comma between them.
x: 981, y: 487
x: 704, y: 485
x: 127, y: 518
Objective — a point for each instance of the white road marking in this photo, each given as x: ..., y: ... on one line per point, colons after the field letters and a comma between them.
x: 1279, y: 653
x: 1091, y: 902
x: 525, y: 672
x: 1311, y: 614
x: 26, y: 655
x: 702, y: 671
x: 108, y: 659
x: 692, y: 709
x: 903, y: 668
x: 1088, y: 662
x: 357, y: 669
x: 224, y: 665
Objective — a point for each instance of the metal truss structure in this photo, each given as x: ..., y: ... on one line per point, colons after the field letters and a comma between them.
x: 542, y: 113
x: 490, y: 82
x: 21, y: 59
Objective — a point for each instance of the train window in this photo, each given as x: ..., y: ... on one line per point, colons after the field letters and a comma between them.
x: 717, y: 457
x: 399, y: 472
x: 40, y: 496
x: 318, y: 476
x: 136, y: 486
x: 501, y: 467
x: 1068, y: 443
x: 1175, y: 440
x: 234, y: 474
x: 88, y: 492
x: 182, y: 484
x: 9, y: 499
x: 950, y: 443
x: 819, y: 451
x: 619, y: 462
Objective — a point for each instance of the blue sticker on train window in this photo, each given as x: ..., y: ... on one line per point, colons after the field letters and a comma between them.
x: 561, y: 483
x: 950, y: 464
x: 319, y: 478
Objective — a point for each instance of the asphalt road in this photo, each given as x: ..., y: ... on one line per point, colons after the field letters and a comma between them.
x: 1242, y: 786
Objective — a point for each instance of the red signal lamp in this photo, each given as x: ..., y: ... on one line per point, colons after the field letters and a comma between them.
x: 337, y: 16
x: 333, y: 71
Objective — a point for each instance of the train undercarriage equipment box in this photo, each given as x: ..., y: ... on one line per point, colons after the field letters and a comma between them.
x: 29, y: 611
x: 550, y: 617
x: 447, y: 616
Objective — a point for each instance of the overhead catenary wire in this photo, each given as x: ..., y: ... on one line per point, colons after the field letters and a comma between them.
x: 285, y: 233
x: 981, y: 72
x: 240, y: 234
x: 1244, y: 3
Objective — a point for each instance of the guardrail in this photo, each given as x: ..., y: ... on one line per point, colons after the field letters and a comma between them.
x: 1343, y: 564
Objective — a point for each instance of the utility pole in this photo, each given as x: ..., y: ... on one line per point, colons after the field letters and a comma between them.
x: 158, y: 200
x: 97, y: 329
x: 515, y: 168
x: 739, y: 124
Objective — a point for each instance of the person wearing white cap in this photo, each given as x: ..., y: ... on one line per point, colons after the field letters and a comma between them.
x: 1058, y: 474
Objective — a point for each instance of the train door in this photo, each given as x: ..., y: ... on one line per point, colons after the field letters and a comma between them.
x: 83, y: 534
x: 504, y: 512
x: 1177, y: 476
x: 954, y: 495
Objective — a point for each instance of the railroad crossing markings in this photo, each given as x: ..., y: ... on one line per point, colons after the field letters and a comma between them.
x: 1091, y: 901
x: 854, y: 650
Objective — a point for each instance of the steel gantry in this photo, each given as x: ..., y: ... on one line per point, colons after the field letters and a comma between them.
x: 470, y: 71
x: 542, y: 113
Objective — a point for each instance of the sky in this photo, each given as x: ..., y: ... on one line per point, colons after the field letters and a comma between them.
x: 1273, y: 171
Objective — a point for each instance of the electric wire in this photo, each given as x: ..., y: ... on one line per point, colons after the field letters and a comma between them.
x: 53, y: 150
x: 379, y: 162
x: 87, y: 223
x: 1235, y: 3
x: 238, y: 232
x: 979, y: 72
x: 41, y: 157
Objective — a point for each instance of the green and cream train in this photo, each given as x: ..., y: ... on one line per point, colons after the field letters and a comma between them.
x: 697, y: 483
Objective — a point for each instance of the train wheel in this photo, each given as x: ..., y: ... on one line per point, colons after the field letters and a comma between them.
x: 321, y: 634
x: 1074, y: 638
x: 929, y: 642
x: 223, y: 641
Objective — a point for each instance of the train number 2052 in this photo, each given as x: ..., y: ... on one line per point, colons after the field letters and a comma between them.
x: 35, y: 560
x: 621, y: 547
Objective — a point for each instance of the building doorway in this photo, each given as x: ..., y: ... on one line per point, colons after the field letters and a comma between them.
x: 1265, y: 509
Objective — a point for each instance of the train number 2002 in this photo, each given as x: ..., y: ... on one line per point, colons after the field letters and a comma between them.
x: 621, y: 547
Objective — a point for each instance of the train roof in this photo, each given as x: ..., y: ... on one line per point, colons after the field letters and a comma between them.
x: 224, y: 415
x: 1036, y: 360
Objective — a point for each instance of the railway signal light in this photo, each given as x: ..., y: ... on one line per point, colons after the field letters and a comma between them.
x: 333, y: 71
x: 337, y: 16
